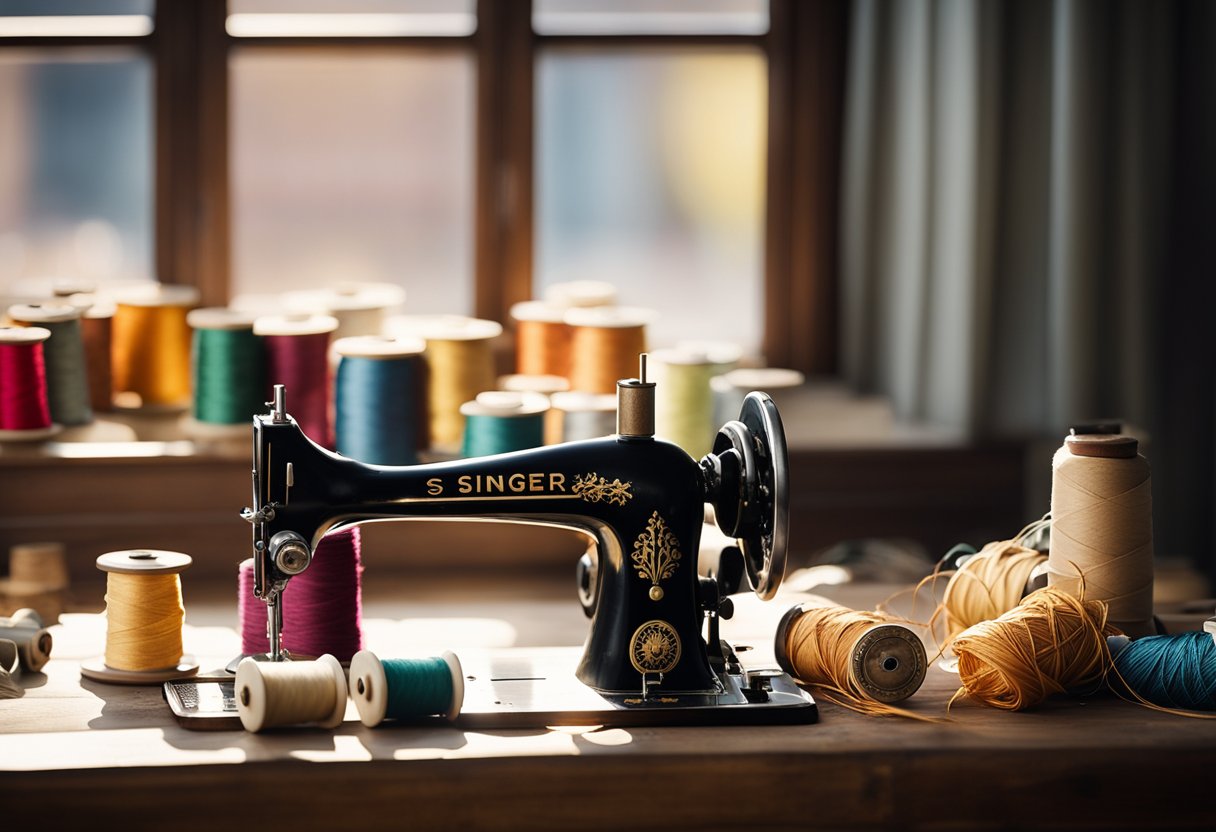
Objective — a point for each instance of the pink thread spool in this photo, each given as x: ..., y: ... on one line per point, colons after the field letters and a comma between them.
x: 322, y: 606
x: 297, y: 356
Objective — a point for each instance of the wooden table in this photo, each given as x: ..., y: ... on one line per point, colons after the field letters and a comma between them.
x: 76, y: 753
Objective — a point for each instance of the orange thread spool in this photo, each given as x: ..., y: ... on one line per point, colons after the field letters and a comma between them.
x: 542, y: 339
x: 604, y: 346
x: 96, y: 326
x: 151, y: 345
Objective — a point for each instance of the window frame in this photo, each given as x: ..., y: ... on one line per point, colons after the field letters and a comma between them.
x: 805, y: 48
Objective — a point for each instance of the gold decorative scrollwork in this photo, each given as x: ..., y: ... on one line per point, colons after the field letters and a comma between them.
x: 656, y: 554
x: 654, y: 648
x: 594, y: 489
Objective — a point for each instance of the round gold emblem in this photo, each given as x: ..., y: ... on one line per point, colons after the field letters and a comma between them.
x: 654, y: 648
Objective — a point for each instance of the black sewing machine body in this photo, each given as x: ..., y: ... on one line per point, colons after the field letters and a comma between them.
x: 642, y: 499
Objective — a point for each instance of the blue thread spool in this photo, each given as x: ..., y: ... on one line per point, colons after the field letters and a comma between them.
x: 378, y: 399
x: 498, y: 422
x: 406, y: 689
x: 1169, y: 671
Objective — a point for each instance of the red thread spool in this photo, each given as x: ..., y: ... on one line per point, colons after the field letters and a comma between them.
x: 24, y: 410
x: 297, y: 356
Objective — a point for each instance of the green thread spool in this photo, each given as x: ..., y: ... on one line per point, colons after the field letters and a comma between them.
x: 406, y: 689
x: 498, y: 422
x: 228, y: 367
x: 684, y: 402
x: 67, y: 379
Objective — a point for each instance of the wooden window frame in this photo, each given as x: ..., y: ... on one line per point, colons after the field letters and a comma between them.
x: 805, y: 48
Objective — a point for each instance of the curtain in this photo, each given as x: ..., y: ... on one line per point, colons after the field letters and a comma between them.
x: 1010, y: 253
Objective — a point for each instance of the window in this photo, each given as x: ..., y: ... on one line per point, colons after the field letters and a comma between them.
x: 473, y: 152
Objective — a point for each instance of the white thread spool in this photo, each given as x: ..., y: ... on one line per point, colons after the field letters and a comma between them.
x: 1101, y: 528
x: 277, y: 694
x: 584, y: 293
x: 585, y: 415
x: 33, y: 641
x: 731, y: 388
x: 545, y: 385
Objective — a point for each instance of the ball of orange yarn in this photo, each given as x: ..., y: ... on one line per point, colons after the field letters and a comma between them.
x: 1050, y: 643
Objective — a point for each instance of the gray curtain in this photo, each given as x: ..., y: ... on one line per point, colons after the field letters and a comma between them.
x: 1025, y: 190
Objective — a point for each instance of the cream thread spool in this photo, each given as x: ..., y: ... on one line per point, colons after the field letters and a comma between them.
x: 136, y: 624
x: 729, y: 389
x: 360, y: 308
x: 24, y: 628
x: 1101, y: 528
x: 280, y: 694
x: 580, y: 293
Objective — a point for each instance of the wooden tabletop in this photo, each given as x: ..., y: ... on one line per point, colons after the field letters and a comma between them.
x: 76, y: 752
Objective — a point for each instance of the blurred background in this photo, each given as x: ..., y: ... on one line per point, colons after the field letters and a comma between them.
x: 993, y: 217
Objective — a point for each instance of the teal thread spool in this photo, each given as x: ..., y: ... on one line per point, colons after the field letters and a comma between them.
x: 1176, y: 671
x: 67, y: 379
x: 228, y: 367
x: 498, y: 422
x: 545, y: 385
x: 406, y: 689
x: 379, y: 401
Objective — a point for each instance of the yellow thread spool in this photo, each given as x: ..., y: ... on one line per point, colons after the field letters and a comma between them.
x: 605, y: 343
x: 151, y: 343
x: 989, y: 583
x: 1101, y: 527
x: 460, y: 364
x: 144, y: 616
x: 277, y: 694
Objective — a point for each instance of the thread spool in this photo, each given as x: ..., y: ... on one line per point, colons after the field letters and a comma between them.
x: 585, y: 415
x: 684, y: 404
x: 38, y: 579
x: 1101, y: 533
x: 406, y: 689
x: 322, y: 606
x: 228, y: 365
x: 729, y: 389
x: 605, y: 342
x: 361, y: 309
x: 498, y: 422
x: 96, y: 324
x: 297, y: 356
x: 278, y: 694
x: 151, y: 347
x: 25, y: 413
x: 9, y: 668
x: 144, y: 616
x: 542, y: 338
x: 1169, y: 672
x: 724, y: 355
x: 379, y: 401
x: 989, y: 583
x: 546, y: 386
x: 860, y: 659
x: 1051, y: 643
x: 460, y: 364
x: 33, y: 641
x: 580, y: 293
x: 67, y: 381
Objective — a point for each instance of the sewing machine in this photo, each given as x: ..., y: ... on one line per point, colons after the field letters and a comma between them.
x: 642, y: 499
